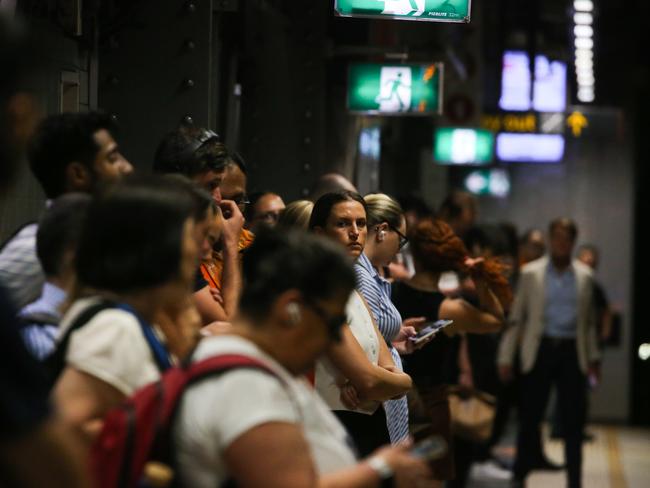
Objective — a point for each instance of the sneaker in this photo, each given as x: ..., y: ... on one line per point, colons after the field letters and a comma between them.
x: 489, y: 470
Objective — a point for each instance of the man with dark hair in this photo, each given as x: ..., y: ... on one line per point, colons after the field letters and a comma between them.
x: 56, y: 242
x: 68, y: 153
x: 76, y: 152
x: 36, y: 449
x: 553, y: 322
x: 196, y: 153
x: 199, y: 154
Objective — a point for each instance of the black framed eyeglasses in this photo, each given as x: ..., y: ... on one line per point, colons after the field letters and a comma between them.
x: 403, y: 240
x: 241, y: 201
x: 334, y: 323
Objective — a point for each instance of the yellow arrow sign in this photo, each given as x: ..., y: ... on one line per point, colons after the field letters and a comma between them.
x: 576, y: 121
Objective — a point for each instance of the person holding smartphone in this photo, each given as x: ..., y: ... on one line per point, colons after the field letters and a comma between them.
x: 386, y: 236
x: 437, y: 249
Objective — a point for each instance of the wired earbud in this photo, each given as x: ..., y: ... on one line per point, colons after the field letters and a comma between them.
x: 293, y: 311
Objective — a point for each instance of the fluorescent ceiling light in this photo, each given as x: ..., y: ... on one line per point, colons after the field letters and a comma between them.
x: 584, y: 64
x: 584, y: 43
x: 583, y: 18
x: 584, y: 53
x: 583, y: 31
x: 583, y: 5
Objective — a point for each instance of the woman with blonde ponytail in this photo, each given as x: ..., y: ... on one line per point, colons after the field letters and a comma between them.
x: 437, y: 249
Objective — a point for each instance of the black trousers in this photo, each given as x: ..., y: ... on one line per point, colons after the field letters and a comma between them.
x: 556, y: 364
x: 369, y: 432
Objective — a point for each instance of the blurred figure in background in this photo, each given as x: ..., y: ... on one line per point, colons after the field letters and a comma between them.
x: 264, y: 209
x: 329, y: 183
x: 296, y: 214
x: 532, y: 246
x: 67, y: 153
x: 490, y: 241
x: 36, y: 448
x: 590, y: 255
x: 415, y: 210
x: 56, y: 246
x: 437, y: 249
x: 460, y: 210
x: 553, y: 326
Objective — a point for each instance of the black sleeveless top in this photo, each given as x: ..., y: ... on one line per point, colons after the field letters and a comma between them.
x: 435, y: 364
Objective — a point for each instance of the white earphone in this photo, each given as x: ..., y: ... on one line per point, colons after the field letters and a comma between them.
x: 293, y: 311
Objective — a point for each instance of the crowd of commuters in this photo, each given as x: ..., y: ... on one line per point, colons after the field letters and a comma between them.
x: 126, y: 277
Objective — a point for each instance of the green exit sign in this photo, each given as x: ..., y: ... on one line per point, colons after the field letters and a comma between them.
x: 463, y: 146
x: 427, y: 10
x: 395, y: 89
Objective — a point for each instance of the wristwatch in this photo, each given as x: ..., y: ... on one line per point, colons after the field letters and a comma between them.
x: 383, y: 469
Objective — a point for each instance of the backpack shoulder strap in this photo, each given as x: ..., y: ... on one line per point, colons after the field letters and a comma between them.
x: 212, y: 366
x: 56, y: 361
x: 159, y: 352
x: 38, y: 318
x: 223, y: 363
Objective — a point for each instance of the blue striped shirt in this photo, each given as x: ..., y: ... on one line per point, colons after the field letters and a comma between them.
x: 20, y: 270
x: 40, y: 338
x: 376, y: 290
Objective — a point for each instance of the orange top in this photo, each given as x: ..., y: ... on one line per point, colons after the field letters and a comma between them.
x: 212, y: 269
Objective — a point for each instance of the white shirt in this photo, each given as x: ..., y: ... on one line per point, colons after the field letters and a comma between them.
x: 111, y: 347
x: 364, y: 331
x: 215, y: 412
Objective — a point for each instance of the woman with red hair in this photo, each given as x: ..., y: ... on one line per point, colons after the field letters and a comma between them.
x: 437, y: 249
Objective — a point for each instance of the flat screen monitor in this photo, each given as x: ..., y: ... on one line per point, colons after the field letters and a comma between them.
x: 458, y: 145
x: 530, y: 148
x: 548, y: 86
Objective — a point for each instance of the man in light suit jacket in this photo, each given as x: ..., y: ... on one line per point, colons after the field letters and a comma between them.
x: 553, y: 325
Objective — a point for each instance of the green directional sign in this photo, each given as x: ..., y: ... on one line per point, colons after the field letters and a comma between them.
x: 396, y: 89
x: 494, y: 182
x: 463, y: 146
x: 429, y: 10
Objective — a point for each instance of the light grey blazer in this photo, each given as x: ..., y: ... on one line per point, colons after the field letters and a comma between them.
x: 526, y: 319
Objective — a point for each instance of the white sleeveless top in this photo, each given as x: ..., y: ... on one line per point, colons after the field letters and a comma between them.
x: 363, y: 329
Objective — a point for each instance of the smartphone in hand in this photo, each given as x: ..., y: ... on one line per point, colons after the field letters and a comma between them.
x: 429, y: 448
x: 428, y: 330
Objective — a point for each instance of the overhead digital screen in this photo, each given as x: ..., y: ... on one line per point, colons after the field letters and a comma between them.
x: 548, y: 86
x: 530, y: 148
x: 463, y: 146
